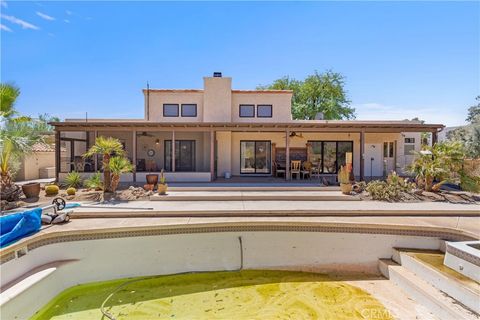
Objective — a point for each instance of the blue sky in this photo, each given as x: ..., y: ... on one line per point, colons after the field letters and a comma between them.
x: 400, y: 59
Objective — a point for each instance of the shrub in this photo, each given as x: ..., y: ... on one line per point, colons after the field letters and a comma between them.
x: 469, y: 183
x: 51, y: 190
x: 73, y: 180
x: 94, y: 182
x: 71, y: 191
x: 391, y: 190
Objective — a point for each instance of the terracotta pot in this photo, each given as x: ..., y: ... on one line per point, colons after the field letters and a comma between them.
x: 31, y: 190
x: 346, y: 188
x: 162, y: 188
x: 148, y: 187
x: 152, y: 179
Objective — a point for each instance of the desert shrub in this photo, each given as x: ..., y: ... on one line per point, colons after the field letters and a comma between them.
x: 73, y: 180
x: 391, y: 190
x: 469, y: 183
x: 94, y: 182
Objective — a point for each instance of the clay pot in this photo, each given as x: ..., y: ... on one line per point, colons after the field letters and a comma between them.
x: 346, y: 188
x: 152, y: 179
x: 149, y: 187
x: 31, y: 190
x: 162, y: 188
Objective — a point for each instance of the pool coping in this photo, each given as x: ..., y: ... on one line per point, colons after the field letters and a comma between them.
x: 46, y: 237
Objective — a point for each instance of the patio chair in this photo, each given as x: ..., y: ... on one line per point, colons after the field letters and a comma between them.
x: 79, y: 164
x: 316, y: 170
x: 295, y: 168
x: 278, y: 169
x: 306, y: 170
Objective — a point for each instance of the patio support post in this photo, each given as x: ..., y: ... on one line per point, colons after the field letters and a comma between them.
x: 173, y: 151
x: 95, y: 158
x: 57, y: 155
x: 434, y: 137
x: 362, y: 155
x: 212, y: 155
x: 134, y: 155
x: 287, y: 155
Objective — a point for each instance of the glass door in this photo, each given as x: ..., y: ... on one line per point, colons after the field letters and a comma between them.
x: 184, y: 155
x: 255, y: 157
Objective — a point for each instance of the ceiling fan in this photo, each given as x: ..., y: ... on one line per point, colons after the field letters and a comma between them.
x: 293, y: 134
x: 146, y: 134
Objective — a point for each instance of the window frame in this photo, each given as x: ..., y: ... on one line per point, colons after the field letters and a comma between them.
x: 410, y: 140
x: 171, y: 104
x: 188, y: 116
x: 322, y: 143
x: 255, y: 157
x: 246, y: 105
x: 265, y: 105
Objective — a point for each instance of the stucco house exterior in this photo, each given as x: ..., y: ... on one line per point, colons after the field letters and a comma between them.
x: 204, y: 134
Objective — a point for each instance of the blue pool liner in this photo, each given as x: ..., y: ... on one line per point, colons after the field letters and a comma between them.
x: 16, y: 226
x: 72, y: 205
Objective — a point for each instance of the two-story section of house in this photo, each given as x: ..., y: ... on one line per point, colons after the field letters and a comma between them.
x: 216, y: 132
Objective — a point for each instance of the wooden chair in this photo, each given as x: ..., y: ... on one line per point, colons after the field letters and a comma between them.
x: 277, y: 169
x: 316, y: 170
x: 306, y: 170
x: 295, y: 168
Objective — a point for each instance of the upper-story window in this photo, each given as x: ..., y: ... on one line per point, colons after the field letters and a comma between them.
x: 247, y: 111
x: 170, y: 110
x: 189, y: 110
x: 264, y: 111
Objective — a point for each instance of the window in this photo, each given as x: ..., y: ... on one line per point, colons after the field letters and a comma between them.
x: 388, y: 149
x: 409, y: 146
x: 189, y: 110
x: 264, y: 111
x: 170, y: 110
x: 184, y: 155
x: 247, y: 111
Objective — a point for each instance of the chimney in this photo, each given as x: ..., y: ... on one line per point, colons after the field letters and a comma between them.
x: 319, y: 116
x: 217, y: 74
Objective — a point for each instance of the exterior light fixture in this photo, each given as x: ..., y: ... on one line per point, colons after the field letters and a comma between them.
x: 157, y: 141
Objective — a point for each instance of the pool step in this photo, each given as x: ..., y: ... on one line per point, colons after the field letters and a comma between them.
x: 440, y: 304
x: 447, y: 280
x: 254, y: 196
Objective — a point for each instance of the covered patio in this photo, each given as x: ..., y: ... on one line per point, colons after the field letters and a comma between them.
x: 204, y: 152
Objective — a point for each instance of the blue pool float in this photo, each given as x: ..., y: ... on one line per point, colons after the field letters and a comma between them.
x: 16, y: 226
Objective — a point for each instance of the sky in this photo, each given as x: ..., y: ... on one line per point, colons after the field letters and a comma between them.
x: 399, y: 59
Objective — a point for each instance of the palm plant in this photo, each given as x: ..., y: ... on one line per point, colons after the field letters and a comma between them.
x: 106, y: 147
x: 73, y: 180
x: 8, y: 96
x: 94, y: 182
x: 118, y: 165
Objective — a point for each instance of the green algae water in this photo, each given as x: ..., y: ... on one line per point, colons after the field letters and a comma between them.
x: 248, y: 294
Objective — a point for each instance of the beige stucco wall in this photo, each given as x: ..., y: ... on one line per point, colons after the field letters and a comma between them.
x: 31, y: 164
x: 224, y: 152
x: 217, y: 99
x: 157, y: 99
x: 281, y: 106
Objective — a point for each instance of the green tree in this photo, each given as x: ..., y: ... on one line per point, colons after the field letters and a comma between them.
x: 469, y: 135
x: 118, y: 165
x: 8, y: 96
x: 106, y: 147
x: 319, y: 92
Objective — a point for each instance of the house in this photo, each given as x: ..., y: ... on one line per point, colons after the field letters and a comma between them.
x: 39, y: 164
x: 217, y: 131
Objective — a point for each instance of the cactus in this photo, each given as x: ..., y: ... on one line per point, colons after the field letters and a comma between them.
x: 71, y: 191
x: 51, y: 190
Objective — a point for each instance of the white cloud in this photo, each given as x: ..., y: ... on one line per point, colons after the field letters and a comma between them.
x: 68, y: 12
x: 3, y: 4
x: 5, y: 28
x: 66, y: 20
x: 20, y: 22
x: 45, y: 16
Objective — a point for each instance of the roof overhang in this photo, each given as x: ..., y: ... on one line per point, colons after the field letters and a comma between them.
x: 318, y: 125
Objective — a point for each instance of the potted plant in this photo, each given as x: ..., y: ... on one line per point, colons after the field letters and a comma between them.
x: 344, y: 179
x: 152, y: 179
x: 162, y: 186
x: 31, y: 190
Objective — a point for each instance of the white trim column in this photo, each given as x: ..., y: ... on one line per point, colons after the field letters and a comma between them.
x: 212, y: 155
x: 134, y: 155
x: 173, y: 151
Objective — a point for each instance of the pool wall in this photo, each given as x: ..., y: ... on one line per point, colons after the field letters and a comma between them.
x: 76, y: 262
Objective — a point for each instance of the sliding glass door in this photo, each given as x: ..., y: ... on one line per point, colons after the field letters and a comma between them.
x: 255, y: 157
x: 330, y: 155
x: 184, y: 155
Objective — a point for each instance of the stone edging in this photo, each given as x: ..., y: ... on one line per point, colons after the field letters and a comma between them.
x: 463, y: 255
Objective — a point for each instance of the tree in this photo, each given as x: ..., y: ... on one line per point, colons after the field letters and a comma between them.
x: 106, y: 147
x: 8, y: 96
x: 118, y: 165
x: 319, y: 92
x: 469, y: 135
